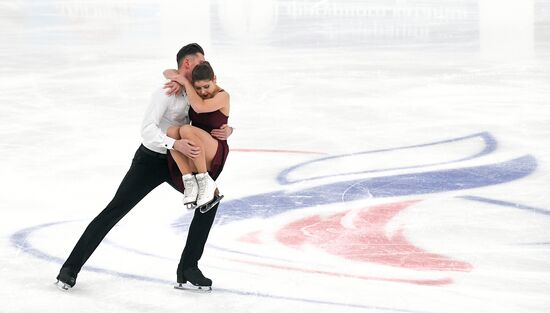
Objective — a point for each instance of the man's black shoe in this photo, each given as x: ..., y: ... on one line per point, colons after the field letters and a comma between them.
x: 66, y: 279
x: 194, y: 276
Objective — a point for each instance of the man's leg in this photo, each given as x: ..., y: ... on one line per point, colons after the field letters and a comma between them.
x: 145, y: 173
x: 196, y: 240
x: 196, y: 236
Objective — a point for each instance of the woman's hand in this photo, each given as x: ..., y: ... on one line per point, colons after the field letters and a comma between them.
x: 176, y: 83
x: 172, y: 88
x: 174, y: 75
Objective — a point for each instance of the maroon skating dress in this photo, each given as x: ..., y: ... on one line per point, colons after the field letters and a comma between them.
x: 207, y: 122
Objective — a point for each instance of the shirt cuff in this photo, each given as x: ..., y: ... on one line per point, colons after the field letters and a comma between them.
x: 169, y: 143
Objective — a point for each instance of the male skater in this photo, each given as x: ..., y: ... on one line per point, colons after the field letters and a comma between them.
x: 149, y: 169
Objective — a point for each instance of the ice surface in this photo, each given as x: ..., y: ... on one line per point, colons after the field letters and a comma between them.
x: 389, y: 156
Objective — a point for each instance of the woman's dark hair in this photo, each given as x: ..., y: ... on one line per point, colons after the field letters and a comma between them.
x: 202, y: 71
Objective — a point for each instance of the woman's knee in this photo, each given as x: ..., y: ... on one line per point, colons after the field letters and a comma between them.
x: 186, y: 131
x: 173, y: 132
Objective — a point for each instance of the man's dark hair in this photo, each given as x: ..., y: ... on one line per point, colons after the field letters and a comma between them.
x: 190, y: 49
x: 202, y: 71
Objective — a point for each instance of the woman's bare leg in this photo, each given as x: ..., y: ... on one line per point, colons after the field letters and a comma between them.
x: 203, y: 162
x: 205, y: 141
x: 184, y: 164
x: 186, y: 167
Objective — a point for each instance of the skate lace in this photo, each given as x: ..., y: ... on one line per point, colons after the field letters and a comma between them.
x: 202, y: 184
x: 188, y: 183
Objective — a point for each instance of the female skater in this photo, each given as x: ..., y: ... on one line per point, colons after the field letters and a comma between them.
x: 209, y: 110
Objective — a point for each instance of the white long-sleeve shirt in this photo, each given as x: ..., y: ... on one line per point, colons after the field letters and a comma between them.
x: 163, y: 111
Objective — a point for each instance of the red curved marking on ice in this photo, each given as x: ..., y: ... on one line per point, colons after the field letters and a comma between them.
x: 426, y: 282
x: 366, y: 240
x: 276, y: 151
x: 252, y: 237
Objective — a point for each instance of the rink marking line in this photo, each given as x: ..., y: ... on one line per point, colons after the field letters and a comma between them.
x: 265, y: 205
x: 507, y: 204
x: 512, y: 205
x: 276, y: 151
x: 422, y: 282
x: 369, y: 242
x: 489, y: 147
x: 472, y: 198
x: 417, y: 183
x: 20, y: 240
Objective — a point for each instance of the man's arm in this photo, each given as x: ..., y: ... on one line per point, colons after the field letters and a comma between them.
x: 154, y: 136
x: 150, y: 127
x: 200, y: 105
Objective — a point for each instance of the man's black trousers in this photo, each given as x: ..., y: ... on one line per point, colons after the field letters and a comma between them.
x: 149, y: 169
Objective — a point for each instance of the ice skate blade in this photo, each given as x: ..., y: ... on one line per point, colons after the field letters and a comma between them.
x: 191, y: 206
x: 191, y: 287
x: 205, y: 208
x: 62, y: 286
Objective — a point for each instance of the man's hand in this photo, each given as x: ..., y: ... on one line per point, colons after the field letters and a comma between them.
x: 187, y: 147
x: 222, y: 133
x: 172, y: 88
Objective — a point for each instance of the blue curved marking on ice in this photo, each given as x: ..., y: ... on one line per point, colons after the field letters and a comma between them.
x: 506, y: 203
x: 20, y: 240
x: 270, y: 204
x: 490, y: 145
x: 512, y: 205
x: 273, y: 203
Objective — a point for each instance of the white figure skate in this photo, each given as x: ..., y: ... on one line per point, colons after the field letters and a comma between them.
x: 191, y: 191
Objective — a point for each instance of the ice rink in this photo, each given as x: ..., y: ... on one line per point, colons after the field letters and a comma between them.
x: 388, y: 155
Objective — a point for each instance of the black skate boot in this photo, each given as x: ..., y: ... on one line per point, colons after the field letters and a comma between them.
x: 193, y: 279
x: 66, y: 279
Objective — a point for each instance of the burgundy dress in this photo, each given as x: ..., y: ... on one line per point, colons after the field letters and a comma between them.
x: 207, y: 122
